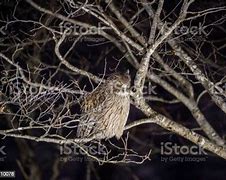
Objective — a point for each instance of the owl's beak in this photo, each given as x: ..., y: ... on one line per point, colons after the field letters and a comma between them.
x: 125, y: 88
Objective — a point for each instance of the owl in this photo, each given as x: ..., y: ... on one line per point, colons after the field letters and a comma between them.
x: 106, y: 109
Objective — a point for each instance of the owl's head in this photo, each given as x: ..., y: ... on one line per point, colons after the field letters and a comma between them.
x: 119, y: 83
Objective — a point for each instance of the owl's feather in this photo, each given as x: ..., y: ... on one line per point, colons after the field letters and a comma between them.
x: 105, y: 110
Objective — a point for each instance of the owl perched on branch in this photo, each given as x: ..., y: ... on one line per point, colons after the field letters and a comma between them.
x: 106, y: 109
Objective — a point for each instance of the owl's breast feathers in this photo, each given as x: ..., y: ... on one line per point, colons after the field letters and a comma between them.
x: 105, y: 113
